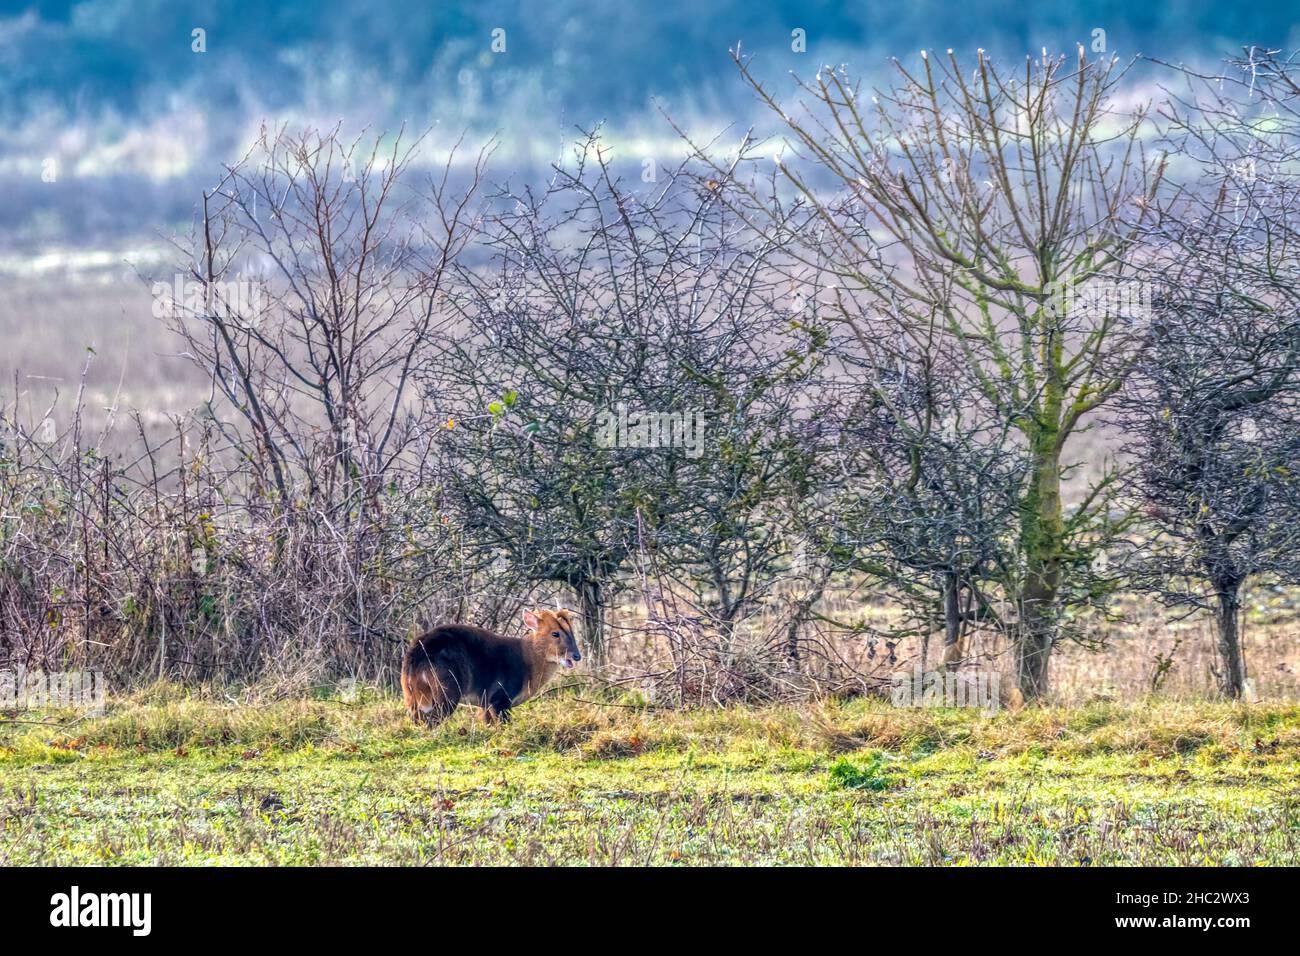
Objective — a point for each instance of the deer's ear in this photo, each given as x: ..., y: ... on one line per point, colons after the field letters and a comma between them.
x: 530, y: 619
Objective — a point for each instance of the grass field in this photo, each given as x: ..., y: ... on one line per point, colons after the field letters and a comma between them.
x: 168, y: 778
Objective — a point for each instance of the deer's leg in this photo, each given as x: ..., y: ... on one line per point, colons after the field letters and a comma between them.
x: 497, y: 709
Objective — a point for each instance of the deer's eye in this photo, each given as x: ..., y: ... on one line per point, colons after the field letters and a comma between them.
x: 555, y: 633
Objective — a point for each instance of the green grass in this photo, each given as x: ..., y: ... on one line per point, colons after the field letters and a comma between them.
x: 168, y: 778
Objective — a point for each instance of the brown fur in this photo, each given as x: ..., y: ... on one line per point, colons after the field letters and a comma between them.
x: 457, y: 663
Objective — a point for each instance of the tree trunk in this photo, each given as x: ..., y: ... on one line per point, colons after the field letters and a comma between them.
x: 592, y: 605
x: 952, y: 649
x: 1232, y: 665
x: 1042, y: 536
x: 1033, y: 654
x: 800, y: 615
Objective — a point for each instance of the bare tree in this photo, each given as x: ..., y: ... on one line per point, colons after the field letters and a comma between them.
x: 976, y: 195
x: 928, y: 491
x: 321, y: 276
x: 1213, y: 407
x: 316, y: 294
x: 628, y: 381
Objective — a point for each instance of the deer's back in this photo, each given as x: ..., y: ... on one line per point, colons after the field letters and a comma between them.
x: 476, y: 658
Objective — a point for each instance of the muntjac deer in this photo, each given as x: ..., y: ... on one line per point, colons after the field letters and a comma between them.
x: 457, y: 662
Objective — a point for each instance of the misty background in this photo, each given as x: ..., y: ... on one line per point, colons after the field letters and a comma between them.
x: 137, y: 123
x: 111, y: 125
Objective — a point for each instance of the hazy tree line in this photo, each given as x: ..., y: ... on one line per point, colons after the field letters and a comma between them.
x: 716, y: 392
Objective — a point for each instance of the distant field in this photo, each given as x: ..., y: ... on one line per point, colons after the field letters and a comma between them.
x: 164, y: 778
x: 50, y: 324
